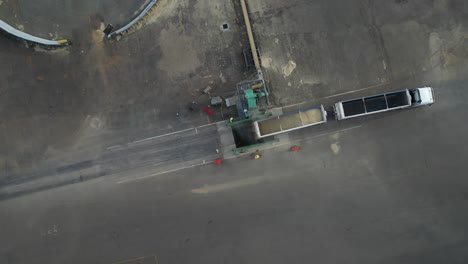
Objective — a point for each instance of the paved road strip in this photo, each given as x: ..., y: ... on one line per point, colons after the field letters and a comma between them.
x: 160, y: 136
x: 205, y: 162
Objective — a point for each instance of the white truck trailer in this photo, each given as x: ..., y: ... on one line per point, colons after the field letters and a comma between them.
x: 290, y: 121
x: 368, y: 105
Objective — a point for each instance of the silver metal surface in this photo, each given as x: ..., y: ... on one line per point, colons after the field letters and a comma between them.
x: 15, y: 32
x: 134, y: 21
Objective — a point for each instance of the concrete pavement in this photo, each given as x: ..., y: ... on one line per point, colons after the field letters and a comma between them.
x: 148, y: 156
x: 314, y: 49
x: 389, y: 188
x: 52, y: 19
x: 68, y: 106
x: 360, y: 195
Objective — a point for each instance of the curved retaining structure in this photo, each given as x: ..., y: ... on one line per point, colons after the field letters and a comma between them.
x: 134, y: 21
x: 20, y: 34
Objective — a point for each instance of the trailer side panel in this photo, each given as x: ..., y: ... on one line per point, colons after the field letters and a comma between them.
x: 269, y: 126
x: 398, y: 99
x: 354, y: 107
x: 290, y: 121
x: 375, y: 103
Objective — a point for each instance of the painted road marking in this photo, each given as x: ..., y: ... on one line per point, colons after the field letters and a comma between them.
x: 160, y: 136
x: 204, y: 162
x: 229, y: 185
x: 139, y: 260
x: 359, y: 90
x: 113, y: 147
x: 163, y: 135
x: 210, y: 124
x: 254, y: 180
x: 335, y: 95
x: 163, y: 172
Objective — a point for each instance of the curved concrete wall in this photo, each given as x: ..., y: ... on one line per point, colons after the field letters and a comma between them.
x: 135, y: 20
x: 20, y: 34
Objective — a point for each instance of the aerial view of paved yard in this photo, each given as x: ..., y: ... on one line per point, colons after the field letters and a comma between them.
x: 240, y: 131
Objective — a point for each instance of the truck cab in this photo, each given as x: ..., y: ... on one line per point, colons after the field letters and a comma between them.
x: 421, y: 96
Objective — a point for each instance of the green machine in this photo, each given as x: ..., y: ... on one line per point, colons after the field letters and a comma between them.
x: 250, y: 93
x: 251, y: 97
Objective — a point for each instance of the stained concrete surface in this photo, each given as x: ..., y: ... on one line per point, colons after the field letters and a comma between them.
x: 389, y: 188
x: 150, y: 156
x: 314, y: 49
x: 386, y: 189
x: 62, y: 19
x: 69, y: 105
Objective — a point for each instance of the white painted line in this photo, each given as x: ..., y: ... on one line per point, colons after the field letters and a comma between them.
x: 164, y: 135
x: 160, y: 173
x: 335, y: 95
x: 210, y: 124
x: 229, y: 185
x: 160, y: 136
x: 173, y: 133
x: 204, y: 161
x: 286, y: 106
x: 366, y: 88
x: 116, y: 146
